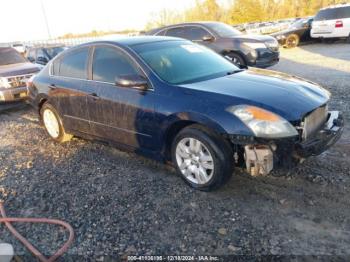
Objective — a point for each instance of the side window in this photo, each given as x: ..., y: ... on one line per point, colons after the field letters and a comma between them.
x: 40, y: 53
x: 176, y: 32
x: 344, y: 12
x: 195, y: 33
x: 108, y: 63
x: 74, y: 64
x: 161, y: 32
x: 31, y: 55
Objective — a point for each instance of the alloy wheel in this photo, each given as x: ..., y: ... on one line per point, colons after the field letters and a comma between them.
x: 235, y: 60
x: 292, y: 41
x: 51, y: 123
x: 194, y: 161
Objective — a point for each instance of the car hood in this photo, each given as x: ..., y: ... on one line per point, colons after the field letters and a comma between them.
x: 18, y: 69
x: 288, y: 96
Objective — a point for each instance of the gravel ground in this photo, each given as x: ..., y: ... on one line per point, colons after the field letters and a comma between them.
x: 120, y: 203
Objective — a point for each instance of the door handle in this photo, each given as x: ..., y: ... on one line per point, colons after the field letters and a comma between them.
x: 52, y: 86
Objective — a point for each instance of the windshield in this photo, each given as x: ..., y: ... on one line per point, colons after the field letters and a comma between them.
x: 182, y: 62
x: 10, y: 56
x: 53, y: 51
x: 223, y: 30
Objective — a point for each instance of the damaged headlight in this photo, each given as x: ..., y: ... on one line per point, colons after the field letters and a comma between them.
x: 263, y: 123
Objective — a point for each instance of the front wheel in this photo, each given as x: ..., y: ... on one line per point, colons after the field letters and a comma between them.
x: 203, y: 159
x: 53, y: 124
x: 236, y: 59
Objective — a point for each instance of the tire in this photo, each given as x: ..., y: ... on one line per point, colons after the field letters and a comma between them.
x: 292, y: 41
x: 53, y: 124
x: 236, y: 59
x: 328, y: 40
x: 208, y: 168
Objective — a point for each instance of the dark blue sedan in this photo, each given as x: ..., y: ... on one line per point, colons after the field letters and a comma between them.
x: 175, y: 101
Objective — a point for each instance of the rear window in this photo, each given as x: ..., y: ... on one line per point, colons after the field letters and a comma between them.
x: 9, y: 56
x: 333, y: 13
x: 73, y: 64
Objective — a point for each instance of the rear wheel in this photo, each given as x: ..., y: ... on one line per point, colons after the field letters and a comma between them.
x: 292, y: 41
x: 203, y: 159
x: 53, y: 123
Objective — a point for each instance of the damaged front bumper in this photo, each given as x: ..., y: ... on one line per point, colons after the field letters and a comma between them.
x: 13, y: 94
x: 261, y: 156
x: 323, y: 139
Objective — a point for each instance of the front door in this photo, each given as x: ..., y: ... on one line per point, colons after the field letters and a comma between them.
x: 122, y: 114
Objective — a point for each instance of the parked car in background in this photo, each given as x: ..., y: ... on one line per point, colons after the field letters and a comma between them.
x: 241, y: 49
x: 20, y: 48
x: 15, y: 71
x: 332, y: 22
x: 173, y: 100
x: 298, y: 32
x: 42, y: 55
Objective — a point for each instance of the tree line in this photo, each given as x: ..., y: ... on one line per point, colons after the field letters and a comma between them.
x: 241, y: 11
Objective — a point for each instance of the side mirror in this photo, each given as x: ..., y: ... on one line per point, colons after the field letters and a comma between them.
x: 133, y: 81
x: 208, y: 38
x: 42, y: 60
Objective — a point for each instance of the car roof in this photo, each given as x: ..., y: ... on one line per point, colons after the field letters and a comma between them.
x: 335, y: 6
x: 135, y: 40
x: 202, y: 23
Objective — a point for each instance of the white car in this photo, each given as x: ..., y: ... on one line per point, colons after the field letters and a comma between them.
x: 332, y: 22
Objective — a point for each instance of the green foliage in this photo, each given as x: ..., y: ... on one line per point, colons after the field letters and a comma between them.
x: 241, y: 11
x: 246, y: 10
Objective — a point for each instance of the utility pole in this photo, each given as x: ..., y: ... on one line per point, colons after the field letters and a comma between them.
x: 45, y: 18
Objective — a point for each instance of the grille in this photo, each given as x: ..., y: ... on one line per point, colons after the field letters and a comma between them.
x: 314, y: 121
x: 18, y: 81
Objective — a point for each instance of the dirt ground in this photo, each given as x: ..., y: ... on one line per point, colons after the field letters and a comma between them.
x: 119, y: 203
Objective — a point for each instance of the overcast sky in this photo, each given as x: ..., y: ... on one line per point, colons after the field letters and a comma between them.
x: 24, y: 19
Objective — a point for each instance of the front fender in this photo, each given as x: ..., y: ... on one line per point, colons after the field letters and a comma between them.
x: 195, y: 118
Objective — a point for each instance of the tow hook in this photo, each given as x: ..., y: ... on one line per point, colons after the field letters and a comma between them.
x: 259, y: 159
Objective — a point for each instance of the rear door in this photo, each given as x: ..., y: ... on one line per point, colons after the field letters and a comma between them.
x: 121, y: 114
x: 69, y: 87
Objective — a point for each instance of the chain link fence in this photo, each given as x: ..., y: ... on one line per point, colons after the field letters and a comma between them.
x: 63, y: 41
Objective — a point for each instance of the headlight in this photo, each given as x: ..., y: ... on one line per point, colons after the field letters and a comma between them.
x: 4, y: 82
x: 263, y: 123
x: 272, y: 43
x: 255, y: 45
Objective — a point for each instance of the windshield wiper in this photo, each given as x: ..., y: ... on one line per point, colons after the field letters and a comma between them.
x: 234, y: 71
